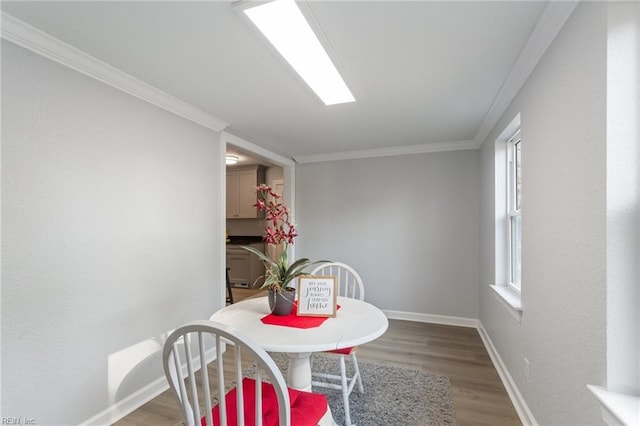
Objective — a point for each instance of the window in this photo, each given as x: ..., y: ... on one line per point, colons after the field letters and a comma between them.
x: 508, y: 219
x: 514, y: 212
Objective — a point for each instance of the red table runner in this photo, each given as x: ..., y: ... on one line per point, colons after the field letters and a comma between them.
x: 293, y: 320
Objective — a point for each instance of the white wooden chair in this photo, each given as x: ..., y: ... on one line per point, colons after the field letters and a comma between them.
x: 255, y: 402
x: 349, y: 285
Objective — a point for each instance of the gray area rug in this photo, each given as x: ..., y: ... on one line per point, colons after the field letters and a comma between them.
x: 392, y: 396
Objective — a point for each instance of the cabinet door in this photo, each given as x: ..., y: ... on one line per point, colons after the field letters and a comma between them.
x: 257, y: 267
x: 247, y: 196
x: 240, y: 272
x: 232, y: 195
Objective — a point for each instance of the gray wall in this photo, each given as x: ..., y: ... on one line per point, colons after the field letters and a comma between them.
x: 110, y: 229
x: 562, y: 332
x: 407, y: 224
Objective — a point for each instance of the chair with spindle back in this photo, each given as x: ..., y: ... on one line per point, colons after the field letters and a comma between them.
x: 255, y: 402
x: 229, y: 289
x: 349, y: 285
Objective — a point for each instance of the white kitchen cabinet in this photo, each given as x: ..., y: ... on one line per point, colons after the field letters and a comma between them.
x: 241, y: 191
x: 245, y: 267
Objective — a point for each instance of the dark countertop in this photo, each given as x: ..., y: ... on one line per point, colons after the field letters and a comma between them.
x: 244, y: 239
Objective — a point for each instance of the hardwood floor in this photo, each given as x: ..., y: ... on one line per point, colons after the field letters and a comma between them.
x: 457, y: 352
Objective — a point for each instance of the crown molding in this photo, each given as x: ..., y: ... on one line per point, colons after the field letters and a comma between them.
x: 37, y: 41
x: 551, y: 20
x: 387, y: 152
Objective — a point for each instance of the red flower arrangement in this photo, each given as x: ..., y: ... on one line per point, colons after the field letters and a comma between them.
x: 279, y: 229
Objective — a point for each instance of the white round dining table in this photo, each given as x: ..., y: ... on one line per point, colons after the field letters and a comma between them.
x: 356, y: 323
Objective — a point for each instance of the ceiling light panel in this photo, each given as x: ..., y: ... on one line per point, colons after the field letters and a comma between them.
x: 284, y: 25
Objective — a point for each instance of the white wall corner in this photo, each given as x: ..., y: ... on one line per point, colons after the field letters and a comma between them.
x: 221, y: 262
x: 622, y: 197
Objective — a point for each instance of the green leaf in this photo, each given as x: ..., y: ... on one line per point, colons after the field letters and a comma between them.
x: 261, y: 255
x: 277, y: 273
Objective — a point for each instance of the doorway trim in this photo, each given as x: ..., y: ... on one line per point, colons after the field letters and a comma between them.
x: 289, y: 171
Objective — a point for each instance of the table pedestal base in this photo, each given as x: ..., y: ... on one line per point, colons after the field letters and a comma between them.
x: 299, y: 372
x: 299, y: 377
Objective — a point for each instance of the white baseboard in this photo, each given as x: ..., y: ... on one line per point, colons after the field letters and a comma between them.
x: 435, y: 319
x: 129, y: 404
x: 140, y: 397
x: 147, y: 393
x: 526, y: 416
x: 520, y: 405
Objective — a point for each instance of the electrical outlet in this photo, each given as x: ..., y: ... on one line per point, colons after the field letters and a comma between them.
x: 527, y: 370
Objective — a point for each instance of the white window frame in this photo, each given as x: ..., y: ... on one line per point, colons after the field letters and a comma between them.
x: 514, y: 216
x: 508, y: 295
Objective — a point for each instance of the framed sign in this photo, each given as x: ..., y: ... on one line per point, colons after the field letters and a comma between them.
x: 317, y: 296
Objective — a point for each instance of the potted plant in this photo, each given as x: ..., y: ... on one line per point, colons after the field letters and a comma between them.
x: 279, y: 230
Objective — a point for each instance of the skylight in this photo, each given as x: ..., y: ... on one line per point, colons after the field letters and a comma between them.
x: 283, y: 24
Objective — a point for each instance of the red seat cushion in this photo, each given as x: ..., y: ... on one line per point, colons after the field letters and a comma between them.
x: 343, y: 351
x: 306, y: 408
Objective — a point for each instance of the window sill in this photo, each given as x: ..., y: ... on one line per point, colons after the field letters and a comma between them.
x: 617, y: 408
x: 510, y: 299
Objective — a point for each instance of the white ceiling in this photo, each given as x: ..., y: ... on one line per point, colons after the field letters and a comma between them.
x: 423, y: 72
